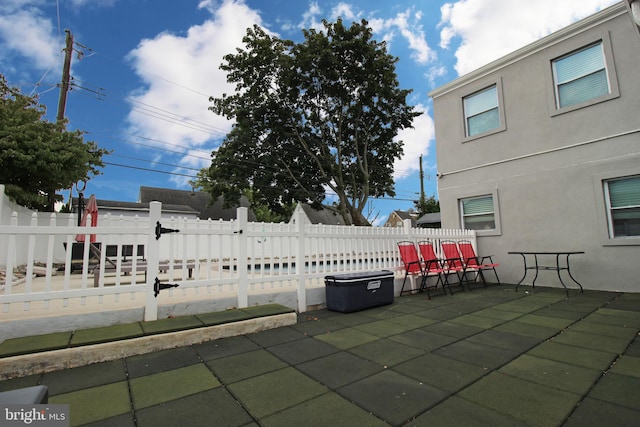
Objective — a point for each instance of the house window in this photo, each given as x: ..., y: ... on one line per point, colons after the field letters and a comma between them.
x: 580, y: 76
x: 481, y: 111
x: 478, y: 213
x: 623, y: 205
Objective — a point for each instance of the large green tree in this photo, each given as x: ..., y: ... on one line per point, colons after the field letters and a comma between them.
x: 311, y: 118
x: 37, y: 157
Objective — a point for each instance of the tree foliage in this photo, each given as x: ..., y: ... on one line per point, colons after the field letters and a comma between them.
x: 37, y: 157
x: 310, y: 118
x: 426, y: 205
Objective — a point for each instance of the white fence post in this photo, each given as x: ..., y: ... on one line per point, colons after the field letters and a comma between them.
x: 243, y: 262
x: 300, y: 261
x: 153, y: 262
x: 406, y: 226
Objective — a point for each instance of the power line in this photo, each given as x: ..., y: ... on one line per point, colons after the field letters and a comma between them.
x: 153, y: 162
x: 150, y: 170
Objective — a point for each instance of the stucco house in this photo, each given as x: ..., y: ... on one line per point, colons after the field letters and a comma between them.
x: 540, y: 150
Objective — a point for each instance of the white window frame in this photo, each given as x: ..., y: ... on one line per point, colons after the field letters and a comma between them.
x: 610, y: 209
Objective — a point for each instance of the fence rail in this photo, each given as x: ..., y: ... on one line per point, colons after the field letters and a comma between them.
x: 44, y: 262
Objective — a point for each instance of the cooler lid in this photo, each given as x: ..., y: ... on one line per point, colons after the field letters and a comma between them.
x: 360, y: 276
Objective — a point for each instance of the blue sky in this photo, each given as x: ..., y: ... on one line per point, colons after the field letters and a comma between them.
x: 148, y: 67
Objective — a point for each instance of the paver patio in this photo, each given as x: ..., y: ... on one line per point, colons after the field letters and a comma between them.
x: 487, y: 357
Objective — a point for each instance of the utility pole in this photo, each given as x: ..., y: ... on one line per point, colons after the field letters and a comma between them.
x: 422, y: 197
x: 66, y: 76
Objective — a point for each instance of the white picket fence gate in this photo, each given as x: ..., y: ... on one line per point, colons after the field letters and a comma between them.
x: 237, y: 257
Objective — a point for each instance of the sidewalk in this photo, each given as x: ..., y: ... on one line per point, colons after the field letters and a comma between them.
x: 487, y: 357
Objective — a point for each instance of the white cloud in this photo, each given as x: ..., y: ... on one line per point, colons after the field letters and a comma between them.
x: 407, y: 24
x: 416, y: 143
x: 181, y: 72
x: 29, y: 34
x: 434, y: 73
x: 310, y: 18
x: 344, y: 11
x: 490, y: 29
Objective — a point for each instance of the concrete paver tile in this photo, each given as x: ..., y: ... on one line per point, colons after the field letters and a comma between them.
x: 627, y: 365
x: 606, y: 330
x: 592, y: 341
x: 152, y: 363
x: 96, y: 403
x: 106, y: 334
x: 442, y: 372
x: 339, y: 369
x: 386, y: 352
x: 165, y: 386
x: 35, y: 343
x: 532, y: 403
x: 215, y: 407
x: 225, y: 347
x: 504, y: 340
x: 618, y: 389
x: 171, y: 324
x: 275, y: 391
x: 275, y: 336
x: 423, y: 340
x: 392, y: 396
x: 346, y: 338
x: 245, y: 365
x: 329, y: 409
x: 595, y: 359
x: 87, y: 376
x: 594, y: 412
x: 564, y: 376
x: 477, y: 354
x: 384, y: 328
x: 456, y: 411
x: 303, y: 350
x: 527, y: 330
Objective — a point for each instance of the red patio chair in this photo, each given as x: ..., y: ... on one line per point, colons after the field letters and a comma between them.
x: 452, y: 260
x: 433, y: 266
x: 473, y: 262
x: 412, y: 264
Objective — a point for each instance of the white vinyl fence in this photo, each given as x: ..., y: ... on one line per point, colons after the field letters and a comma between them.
x: 206, y: 259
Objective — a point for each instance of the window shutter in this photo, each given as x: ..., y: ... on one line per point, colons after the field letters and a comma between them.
x: 624, y: 192
x: 581, y: 76
x: 480, y: 102
x: 580, y: 64
x: 477, y: 206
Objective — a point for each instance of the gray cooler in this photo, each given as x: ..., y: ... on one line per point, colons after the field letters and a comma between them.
x: 358, y: 291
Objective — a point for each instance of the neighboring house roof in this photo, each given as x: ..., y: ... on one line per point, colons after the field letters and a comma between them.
x: 397, y: 217
x: 198, y: 200
x: 327, y: 215
x: 405, y: 214
x: 430, y: 218
x: 114, y: 206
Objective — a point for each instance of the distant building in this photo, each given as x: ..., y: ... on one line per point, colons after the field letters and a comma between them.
x: 430, y: 220
x: 198, y: 201
x: 396, y: 219
x: 176, y: 203
x: 327, y: 215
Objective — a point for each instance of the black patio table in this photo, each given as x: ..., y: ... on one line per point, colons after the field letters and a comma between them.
x: 558, y: 267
